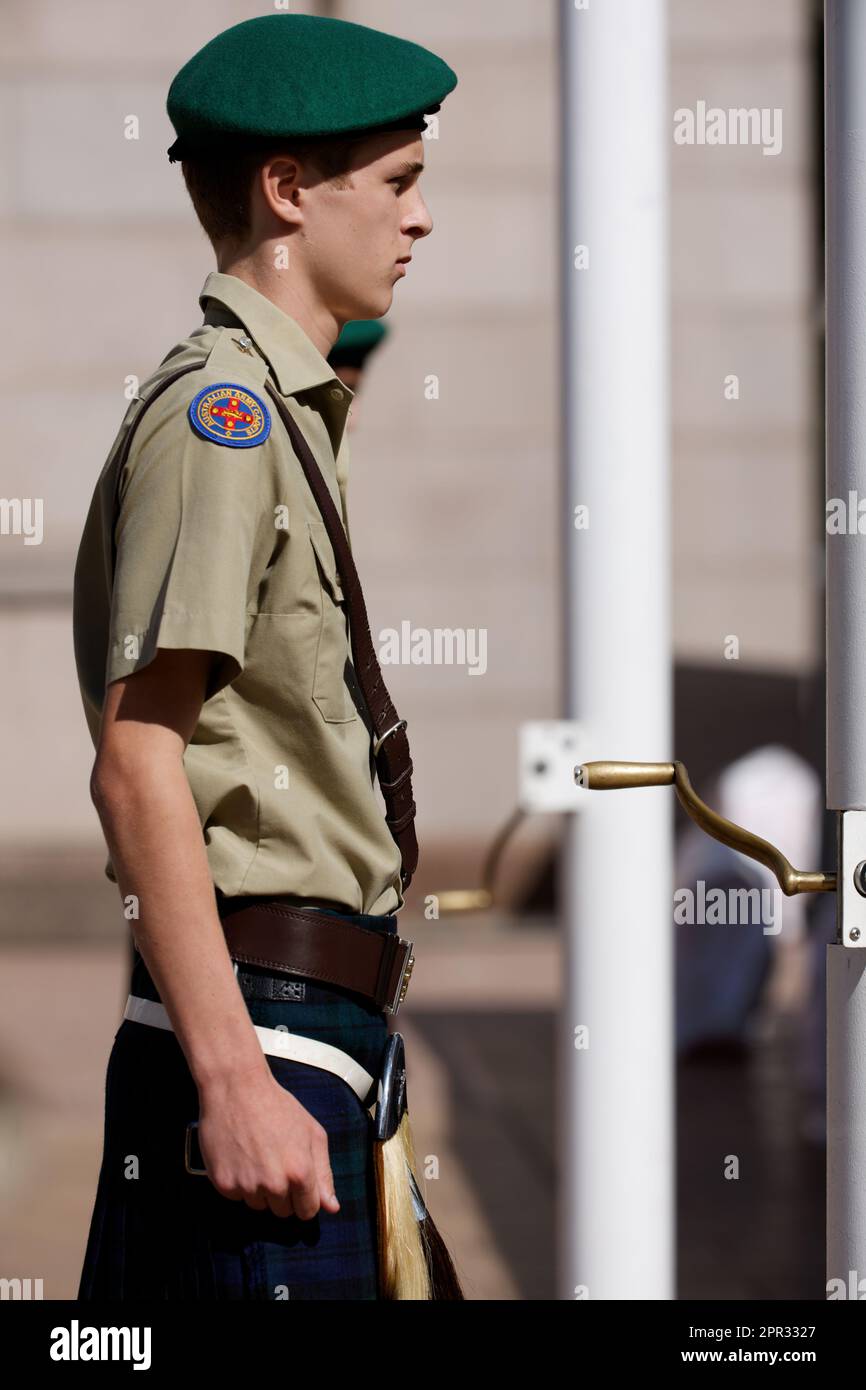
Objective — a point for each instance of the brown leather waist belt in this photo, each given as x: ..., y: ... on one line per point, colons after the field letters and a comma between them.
x: 301, y: 941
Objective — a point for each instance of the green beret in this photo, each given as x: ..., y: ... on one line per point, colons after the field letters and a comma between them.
x: 357, y: 340
x: 303, y: 75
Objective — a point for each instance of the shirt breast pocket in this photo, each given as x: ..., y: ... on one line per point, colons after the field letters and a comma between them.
x: 330, y: 691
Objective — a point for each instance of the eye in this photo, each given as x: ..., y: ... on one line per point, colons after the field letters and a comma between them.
x: 400, y: 182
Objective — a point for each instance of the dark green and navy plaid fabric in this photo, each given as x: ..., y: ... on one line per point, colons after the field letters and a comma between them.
x: 158, y: 1232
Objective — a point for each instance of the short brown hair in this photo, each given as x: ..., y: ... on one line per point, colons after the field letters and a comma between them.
x: 220, y: 182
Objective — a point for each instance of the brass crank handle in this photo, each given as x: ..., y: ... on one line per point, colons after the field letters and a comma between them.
x: 483, y: 898
x: 604, y: 776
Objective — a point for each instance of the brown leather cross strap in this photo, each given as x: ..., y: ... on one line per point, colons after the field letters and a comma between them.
x: 391, y: 746
x: 279, y: 936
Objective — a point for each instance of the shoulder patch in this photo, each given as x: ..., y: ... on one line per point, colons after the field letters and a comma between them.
x: 229, y: 414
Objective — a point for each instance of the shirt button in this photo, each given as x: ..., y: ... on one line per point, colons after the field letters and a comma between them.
x: 336, y: 393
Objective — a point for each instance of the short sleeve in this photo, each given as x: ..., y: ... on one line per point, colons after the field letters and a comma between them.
x: 189, y: 515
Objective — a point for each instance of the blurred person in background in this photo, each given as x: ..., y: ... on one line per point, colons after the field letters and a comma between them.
x: 723, y: 967
x: 351, y: 354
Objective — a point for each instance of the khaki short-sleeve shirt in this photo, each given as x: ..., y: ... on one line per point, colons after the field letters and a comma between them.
x: 222, y: 548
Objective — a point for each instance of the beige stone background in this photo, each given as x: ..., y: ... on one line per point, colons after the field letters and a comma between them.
x: 453, y: 502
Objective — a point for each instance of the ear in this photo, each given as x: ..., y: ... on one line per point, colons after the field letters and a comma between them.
x: 278, y: 185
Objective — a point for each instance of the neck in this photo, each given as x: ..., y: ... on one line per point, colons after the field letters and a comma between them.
x: 292, y: 294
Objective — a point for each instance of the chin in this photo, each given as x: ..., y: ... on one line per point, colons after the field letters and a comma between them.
x: 372, y: 309
x: 381, y: 303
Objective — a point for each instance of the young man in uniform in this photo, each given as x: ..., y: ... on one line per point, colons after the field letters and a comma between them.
x: 238, y: 731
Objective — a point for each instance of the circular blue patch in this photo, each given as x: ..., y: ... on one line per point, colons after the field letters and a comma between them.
x: 229, y: 414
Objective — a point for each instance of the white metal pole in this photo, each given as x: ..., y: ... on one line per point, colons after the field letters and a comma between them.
x: 616, y: 1146
x: 846, y: 1118
x: 845, y: 251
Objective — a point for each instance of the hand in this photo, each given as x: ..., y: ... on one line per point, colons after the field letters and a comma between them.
x: 260, y: 1146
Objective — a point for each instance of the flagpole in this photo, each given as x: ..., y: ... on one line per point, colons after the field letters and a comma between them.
x: 845, y: 252
x: 616, y: 1061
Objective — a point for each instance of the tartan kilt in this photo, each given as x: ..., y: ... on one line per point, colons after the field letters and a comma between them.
x: 158, y: 1232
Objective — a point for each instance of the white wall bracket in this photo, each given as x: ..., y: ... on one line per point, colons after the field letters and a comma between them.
x: 549, y: 749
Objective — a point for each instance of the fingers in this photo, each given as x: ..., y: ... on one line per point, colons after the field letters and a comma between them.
x: 282, y: 1206
x: 308, y: 1186
x: 291, y: 1177
x: 276, y: 1195
x: 324, y: 1176
x: 299, y: 1187
x: 306, y: 1197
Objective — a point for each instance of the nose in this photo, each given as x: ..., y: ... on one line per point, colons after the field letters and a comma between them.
x: 420, y: 222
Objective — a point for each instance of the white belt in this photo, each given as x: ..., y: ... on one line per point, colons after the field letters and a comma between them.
x: 274, y: 1041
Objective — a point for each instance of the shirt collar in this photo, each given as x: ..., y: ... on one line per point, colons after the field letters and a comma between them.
x: 295, y: 360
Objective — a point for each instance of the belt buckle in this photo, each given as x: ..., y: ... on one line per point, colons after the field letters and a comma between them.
x: 403, y: 978
x: 377, y: 742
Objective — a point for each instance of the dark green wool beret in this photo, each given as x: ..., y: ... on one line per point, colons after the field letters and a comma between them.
x: 356, y: 341
x: 303, y: 75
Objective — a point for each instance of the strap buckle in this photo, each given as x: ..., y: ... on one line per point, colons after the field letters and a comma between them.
x: 377, y: 742
x: 192, y: 1151
x: 402, y: 980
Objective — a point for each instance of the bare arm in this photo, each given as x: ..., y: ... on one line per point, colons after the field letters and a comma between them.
x: 259, y: 1144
